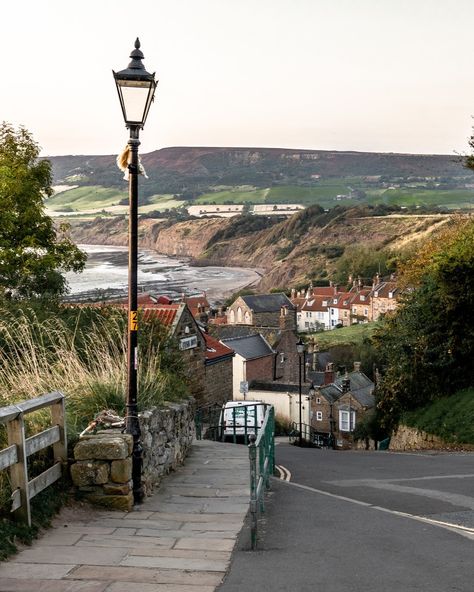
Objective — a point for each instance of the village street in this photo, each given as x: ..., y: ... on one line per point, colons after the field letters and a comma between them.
x: 363, y: 522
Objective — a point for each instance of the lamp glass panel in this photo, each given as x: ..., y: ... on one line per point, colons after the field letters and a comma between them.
x: 135, y: 99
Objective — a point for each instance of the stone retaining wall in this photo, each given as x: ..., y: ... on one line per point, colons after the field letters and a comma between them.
x: 102, y: 472
x: 406, y: 438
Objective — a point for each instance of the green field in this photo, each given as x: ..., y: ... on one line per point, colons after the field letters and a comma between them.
x: 353, y: 335
x: 237, y: 195
x: 325, y: 193
x: 96, y: 199
x: 86, y: 198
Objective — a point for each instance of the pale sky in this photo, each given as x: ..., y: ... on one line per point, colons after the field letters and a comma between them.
x: 367, y: 75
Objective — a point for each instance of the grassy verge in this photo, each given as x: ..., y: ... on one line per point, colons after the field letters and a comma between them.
x: 450, y: 418
x: 353, y: 335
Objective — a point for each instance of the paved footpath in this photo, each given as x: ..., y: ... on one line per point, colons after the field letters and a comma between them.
x: 179, y: 540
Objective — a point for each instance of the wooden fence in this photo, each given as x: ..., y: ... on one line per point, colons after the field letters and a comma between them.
x: 15, y: 456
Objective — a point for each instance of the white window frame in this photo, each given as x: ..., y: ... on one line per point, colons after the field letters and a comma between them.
x: 344, y: 421
x: 319, y: 416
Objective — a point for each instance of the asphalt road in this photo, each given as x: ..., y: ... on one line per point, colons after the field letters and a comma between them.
x: 363, y: 522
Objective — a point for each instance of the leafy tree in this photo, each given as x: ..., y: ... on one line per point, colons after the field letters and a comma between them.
x: 428, y: 345
x: 33, y: 254
x: 363, y: 261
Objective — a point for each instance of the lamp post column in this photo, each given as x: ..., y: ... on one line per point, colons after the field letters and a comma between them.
x: 132, y: 423
x: 299, y: 385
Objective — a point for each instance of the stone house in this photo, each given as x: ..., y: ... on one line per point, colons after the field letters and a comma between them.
x: 340, y: 404
x: 184, y: 329
x: 260, y: 310
x: 384, y: 298
x: 218, y: 371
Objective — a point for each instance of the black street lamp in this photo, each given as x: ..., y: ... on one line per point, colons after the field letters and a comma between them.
x: 136, y: 89
x: 300, y: 348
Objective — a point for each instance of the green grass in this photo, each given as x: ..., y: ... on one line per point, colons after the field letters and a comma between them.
x: 86, y: 198
x: 352, y: 335
x: 96, y: 198
x: 239, y: 194
x: 450, y: 418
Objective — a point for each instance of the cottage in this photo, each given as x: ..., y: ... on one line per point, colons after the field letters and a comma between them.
x: 260, y: 310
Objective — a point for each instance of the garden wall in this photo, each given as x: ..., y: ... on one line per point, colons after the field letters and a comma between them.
x: 102, y: 471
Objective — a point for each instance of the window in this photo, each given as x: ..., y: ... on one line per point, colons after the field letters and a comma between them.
x: 318, y: 400
x: 188, y: 342
x: 366, y: 312
x: 334, y: 301
x: 239, y: 315
x: 344, y: 421
x: 362, y: 298
x: 390, y: 294
x: 319, y: 416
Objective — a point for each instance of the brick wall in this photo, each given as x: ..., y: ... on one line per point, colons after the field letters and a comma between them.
x: 259, y: 369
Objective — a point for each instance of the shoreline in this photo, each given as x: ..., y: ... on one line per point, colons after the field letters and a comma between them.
x: 106, y: 273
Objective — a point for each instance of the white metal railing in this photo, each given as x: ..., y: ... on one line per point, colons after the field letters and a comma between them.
x: 15, y: 456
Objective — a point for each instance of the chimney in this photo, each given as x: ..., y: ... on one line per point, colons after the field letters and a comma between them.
x: 287, y: 318
x: 356, y: 366
x: 293, y: 293
x: 335, y: 289
x: 346, y: 385
x: 359, y: 283
x: 329, y: 373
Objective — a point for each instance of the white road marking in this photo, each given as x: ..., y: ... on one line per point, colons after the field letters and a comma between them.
x: 462, y: 530
x: 285, y: 474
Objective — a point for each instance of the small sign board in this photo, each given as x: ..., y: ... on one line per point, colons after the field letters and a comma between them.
x: 244, y: 387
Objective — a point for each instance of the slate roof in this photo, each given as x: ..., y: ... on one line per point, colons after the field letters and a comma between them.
x: 267, y: 302
x: 250, y: 347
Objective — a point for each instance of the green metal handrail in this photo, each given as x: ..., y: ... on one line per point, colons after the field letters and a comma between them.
x: 262, y: 466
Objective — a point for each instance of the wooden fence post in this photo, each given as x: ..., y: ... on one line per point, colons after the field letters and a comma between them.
x: 58, y: 413
x: 18, y: 471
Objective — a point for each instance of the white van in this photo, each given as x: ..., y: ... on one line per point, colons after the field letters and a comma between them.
x: 242, y: 418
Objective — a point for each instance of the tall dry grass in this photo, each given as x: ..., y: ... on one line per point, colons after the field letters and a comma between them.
x: 83, y: 354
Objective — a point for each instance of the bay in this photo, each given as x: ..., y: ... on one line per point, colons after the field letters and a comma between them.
x: 106, y: 272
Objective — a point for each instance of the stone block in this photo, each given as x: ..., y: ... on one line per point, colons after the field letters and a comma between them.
x: 121, y: 470
x: 117, y: 488
x: 112, y: 502
x: 101, y: 448
x: 89, y: 473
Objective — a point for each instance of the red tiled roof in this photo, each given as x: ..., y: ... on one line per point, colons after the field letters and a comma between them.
x: 315, y: 303
x: 215, y: 349
x: 165, y: 313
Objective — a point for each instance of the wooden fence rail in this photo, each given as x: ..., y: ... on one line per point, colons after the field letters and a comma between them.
x: 15, y: 456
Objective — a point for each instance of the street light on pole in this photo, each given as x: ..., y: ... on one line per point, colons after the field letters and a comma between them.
x: 300, y: 348
x: 136, y: 90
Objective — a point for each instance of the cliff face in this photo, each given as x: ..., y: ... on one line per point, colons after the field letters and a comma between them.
x: 287, y: 252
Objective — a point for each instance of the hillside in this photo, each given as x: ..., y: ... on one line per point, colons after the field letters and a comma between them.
x: 290, y: 252
x: 271, y: 175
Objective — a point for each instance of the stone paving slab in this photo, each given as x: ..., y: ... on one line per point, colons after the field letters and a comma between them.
x: 146, y: 575
x: 128, y: 587
x: 178, y: 540
x: 18, y: 585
